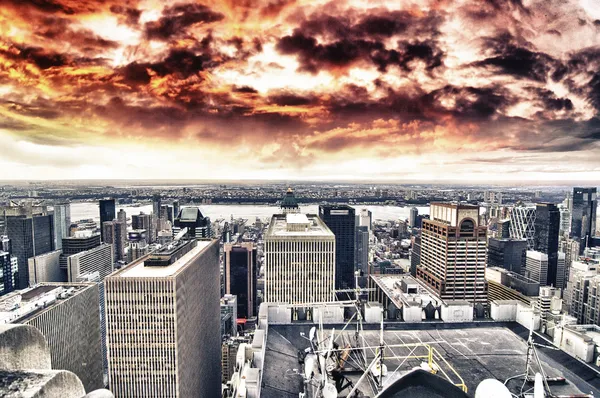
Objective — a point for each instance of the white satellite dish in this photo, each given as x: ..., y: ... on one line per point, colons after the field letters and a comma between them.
x: 329, y: 391
x: 309, y: 365
x: 312, y: 333
x: 492, y: 388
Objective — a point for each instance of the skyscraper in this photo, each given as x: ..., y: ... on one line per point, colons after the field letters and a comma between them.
x: 107, y: 213
x: 115, y: 234
x: 522, y: 224
x: 9, y: 266
x: 62, y: 223
x: 122, y: 216
x: 45, y: 268
x: 240, y: 276
x: 366, y: 219
x: 412, y: 218
x: 141, y: 221
x: 197, y: 225
x: 362, y: 249
x: 171, y: 328
x: 547, y: 225
x: 31, y: 231
x: 341, y: 220
x: 536, y: 266
x: 507, y: 253
x: 289, y: 204
x: 583, y: 215
x: 453, y: 252
x: 299, y: 260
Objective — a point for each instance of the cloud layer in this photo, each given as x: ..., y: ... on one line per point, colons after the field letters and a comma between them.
x: 437, y: 89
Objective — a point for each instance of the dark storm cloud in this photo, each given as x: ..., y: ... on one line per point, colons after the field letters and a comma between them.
x: 324, y: 41
x: 131, y: 15
x: 244, y: 89
x: 512, y: 58
x: 550, y: 101
x: 314, y: 56
x: 40, y: 57
x: 176, y: 19
x: 290, y: 99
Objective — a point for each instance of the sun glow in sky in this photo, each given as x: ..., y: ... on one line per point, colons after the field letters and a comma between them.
x: 289, y: 89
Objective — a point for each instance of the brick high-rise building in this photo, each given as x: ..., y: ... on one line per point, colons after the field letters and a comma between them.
x: 453, y: 253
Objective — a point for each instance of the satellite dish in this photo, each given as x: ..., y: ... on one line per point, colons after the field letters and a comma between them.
x: 329, y: 391
x: 492, y: 388
x: 309, y: 366
x: 311, y: 334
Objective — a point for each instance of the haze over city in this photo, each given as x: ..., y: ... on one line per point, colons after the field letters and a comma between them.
x: 337, y: 90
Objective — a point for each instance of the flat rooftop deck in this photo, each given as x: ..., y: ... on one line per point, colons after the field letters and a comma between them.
x: 475, y: 352
x: 138, y: 270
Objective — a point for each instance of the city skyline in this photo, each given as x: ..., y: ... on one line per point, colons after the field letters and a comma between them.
x: 337, y: 90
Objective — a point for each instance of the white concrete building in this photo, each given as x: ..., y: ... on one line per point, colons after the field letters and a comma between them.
x: 299, y: 260
x: 162, y: 315
x: 536, y: 266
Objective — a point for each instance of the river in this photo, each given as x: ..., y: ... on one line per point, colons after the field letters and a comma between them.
x: 87, y: 210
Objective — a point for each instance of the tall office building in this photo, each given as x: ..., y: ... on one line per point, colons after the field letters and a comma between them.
x: 341, y: 220
x: 67, y: 314
x: 565, y: 221
x: 536, y: 266
x: 107, y: 213
x: 582, y: 302
x: 45, y: 268
x: 9, y: 267
x: 176, y: 209
x: 415, y: 255
x: 289, y: 204
x: 522, y: 224
x: 503, y: 229
x: 8, y: 272
x: 507, y: 253
x: 547, y: 225
x: 142, y: 221
x: 122, y: 216
x: 299, y: 260
x: 171, y: 328
x: 362, y: 249
x: 153, y: 231
x: 198, y: 226
x: 240, y: 276
x: 583, y: 215
x: 115, y: 234
x: 561, y: 269
x: 79, y: 243
x: 413, y: 217
x: 31, y: 231
x: 62, y: 223
x: 91, y: 265
x: 366, y: 219
x: 453, y: 253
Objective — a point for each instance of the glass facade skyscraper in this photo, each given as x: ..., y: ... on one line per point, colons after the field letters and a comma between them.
x: 107, y: 213
x: 31, y: 231
x: 583, y: 215
x: 341, y: 220
x: 240, y: 276
x: 547, y: 227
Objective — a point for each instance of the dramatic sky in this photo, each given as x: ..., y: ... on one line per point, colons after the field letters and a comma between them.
x: 300, y: 89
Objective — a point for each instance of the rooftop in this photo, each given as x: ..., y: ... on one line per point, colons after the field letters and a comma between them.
x: 138, y: 270
x: 477, y: 351
x: 316, y: 227
x: 20, y: 305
